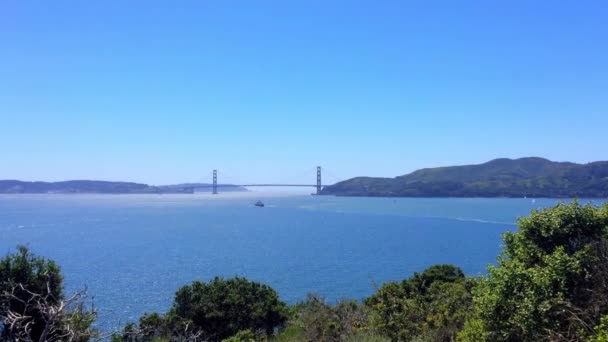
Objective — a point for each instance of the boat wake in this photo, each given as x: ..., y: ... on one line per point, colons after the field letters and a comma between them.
x: 466, y: 219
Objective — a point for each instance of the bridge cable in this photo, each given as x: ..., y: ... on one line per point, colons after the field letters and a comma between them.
x: 311, y: 173
x: 331, y: 175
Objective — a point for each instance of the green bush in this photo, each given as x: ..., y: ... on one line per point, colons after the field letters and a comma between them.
x: 223, y: 307
x: 551, y: 279
x: 601, y: 331
x: 432, y: 305
x: 242, y: 336
x: 217, y: 310
x: 473, y: 331
x: 320, y: 321
x: 367, y: 337
x: 32, y: 287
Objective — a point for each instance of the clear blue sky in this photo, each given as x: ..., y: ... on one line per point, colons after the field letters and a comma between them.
x: 163, y: 92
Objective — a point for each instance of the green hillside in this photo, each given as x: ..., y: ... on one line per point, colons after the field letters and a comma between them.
x: 531, y: 177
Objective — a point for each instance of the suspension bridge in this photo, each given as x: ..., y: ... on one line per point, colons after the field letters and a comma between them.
x: 215, y: 186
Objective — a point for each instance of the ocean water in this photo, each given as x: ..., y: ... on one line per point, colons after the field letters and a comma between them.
x: 133, y: 252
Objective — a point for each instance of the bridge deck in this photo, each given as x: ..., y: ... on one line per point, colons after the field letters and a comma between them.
x: 246, y: 185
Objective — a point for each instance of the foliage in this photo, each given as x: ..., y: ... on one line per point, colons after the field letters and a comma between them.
x: 395, y: 312
x: 316, y: 320
x: 32, y: 304
x: 154, y: 327
x: 551, y: 279
x: 224, y: 307
x: 320, y: 321
x: 367, y: 337
x: 242, y: 336
x: 601, y: 331
x: 219, y: 309
x: 37, y: 275
x: 474, y: 330
x: 432, y: 305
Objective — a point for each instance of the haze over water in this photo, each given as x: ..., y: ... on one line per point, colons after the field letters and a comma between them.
x: 134, y: 251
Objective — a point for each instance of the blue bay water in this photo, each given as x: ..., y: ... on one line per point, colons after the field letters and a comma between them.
x: 132, y: 252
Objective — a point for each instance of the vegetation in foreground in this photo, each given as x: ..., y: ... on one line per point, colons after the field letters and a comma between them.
x: 550, y: 284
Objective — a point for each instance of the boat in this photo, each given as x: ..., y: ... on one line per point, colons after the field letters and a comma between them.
x: 259, y: 204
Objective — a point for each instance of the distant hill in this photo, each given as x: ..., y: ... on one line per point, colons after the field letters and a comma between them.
x: 101, y: 187
x: 531, y: 177
x: 75, y: 186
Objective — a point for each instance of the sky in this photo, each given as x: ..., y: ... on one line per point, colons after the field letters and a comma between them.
x: 264, y: 91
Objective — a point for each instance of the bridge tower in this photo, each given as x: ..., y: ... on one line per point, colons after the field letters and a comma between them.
x: 215, y: 182
x: 318, y: 180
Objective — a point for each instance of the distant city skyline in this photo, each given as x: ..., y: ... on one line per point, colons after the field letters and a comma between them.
x: 163, y: 93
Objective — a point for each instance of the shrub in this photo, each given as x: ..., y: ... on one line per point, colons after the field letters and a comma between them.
x: 242, y: 336
x: 323, y: 322
x: 217, y: 310
x: 432, y: 305
x: 222, y: 308
x: 551, y: 279
x: 32, y: 304
x: 601, y: 331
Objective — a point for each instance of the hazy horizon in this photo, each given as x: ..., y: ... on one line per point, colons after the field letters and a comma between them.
x: 279, y: 190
